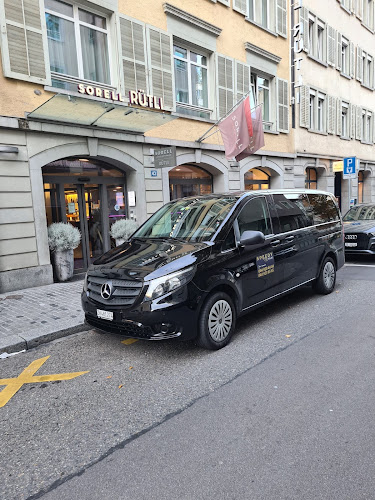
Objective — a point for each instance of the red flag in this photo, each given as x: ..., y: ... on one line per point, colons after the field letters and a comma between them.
x: 257, y: 140
x: 237, y: 130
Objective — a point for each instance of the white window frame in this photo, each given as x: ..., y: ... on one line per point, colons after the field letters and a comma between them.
x: 345, y: 56
x: 317, y: 111
x: 255, y: 12
x: 190, y: 106
x: 345, y: 127
x: 367, y: 126
x: 271, y: 124
x: 77, y: 23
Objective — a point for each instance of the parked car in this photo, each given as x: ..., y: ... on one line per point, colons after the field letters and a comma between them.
x: 199, y: 263
x: 359, y: 228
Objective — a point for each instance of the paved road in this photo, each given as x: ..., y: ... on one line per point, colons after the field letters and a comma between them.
x: 169, y: 420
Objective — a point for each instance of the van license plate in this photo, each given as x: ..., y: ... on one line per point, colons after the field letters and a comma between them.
x: 350, y: 244
x: 104, y: 314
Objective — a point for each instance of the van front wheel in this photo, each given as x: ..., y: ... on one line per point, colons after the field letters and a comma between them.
x: 216, y: 322
x: 326, y: 280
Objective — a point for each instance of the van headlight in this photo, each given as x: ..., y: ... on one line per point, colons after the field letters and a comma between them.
x: 168, y: 283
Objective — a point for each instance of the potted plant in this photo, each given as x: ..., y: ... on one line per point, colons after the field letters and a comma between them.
x: 122, y: 229
x: 63, y: 238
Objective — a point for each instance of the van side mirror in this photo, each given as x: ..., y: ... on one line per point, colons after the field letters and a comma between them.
x: 249, y: 238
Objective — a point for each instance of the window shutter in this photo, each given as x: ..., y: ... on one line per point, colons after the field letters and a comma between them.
x: 160, y: 65
x: 331, y: 44
x: 304, y: 21
x: 331, y: 115
x: 282, y: 19
x: 240, y: 6
x: 358, y: 128
x: 359, y: 10
x: 24, y: 41
x: 304, y: 106
x: 352, y: 121
x: 338, y: 117
x: 282, y: 106
x: 359, y: 64
x: 225, y: 81
x: 242, y: 79
x: 133, y: 50
x: 339, y: 48
x: 352, y: 60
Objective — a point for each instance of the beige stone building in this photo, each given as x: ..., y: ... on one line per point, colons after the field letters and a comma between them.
x: 334, y: 99
x: 90, y: 90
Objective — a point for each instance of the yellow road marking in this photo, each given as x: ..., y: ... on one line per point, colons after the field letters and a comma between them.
x: 27, y: 377
x: 129, y: 341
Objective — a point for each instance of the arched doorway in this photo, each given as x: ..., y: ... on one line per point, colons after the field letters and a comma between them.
x: 257, y: 179
x: 189, y: 180
x: 89, y: 194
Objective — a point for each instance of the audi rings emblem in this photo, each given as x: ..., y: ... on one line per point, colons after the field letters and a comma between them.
x: 106, y: 291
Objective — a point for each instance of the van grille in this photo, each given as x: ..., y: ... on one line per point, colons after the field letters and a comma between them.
x: 124, y: 292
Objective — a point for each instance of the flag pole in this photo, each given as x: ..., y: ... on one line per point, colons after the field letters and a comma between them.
x: 204, y: 136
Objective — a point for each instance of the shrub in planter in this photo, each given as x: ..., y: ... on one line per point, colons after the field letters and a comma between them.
x: 63, y: 238
x: 122, y: 229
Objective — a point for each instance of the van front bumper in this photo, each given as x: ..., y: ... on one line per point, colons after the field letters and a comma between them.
x: 141, y: 322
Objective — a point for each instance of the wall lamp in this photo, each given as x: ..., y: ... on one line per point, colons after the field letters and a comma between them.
x: 8, y: 149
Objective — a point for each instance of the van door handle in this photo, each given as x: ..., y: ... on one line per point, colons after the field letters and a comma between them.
x: 289, y: 238
x: 275, y: 243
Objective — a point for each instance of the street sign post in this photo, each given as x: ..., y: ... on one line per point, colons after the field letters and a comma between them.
x: 349, y: 172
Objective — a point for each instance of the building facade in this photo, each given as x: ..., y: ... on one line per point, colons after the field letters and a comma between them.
x: 333, y: 95
x: 91, y: 89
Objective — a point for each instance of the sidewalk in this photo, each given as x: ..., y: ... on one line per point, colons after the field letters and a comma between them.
x: 33, y: 316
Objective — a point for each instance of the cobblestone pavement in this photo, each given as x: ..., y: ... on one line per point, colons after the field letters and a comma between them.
x: 35, y: 315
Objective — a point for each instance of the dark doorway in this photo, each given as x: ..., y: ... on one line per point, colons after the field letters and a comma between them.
x: 338, y: 181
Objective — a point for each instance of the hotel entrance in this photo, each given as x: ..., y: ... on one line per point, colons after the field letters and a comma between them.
x: 90, y: 195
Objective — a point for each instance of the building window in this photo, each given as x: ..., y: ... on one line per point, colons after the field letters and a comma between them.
x: 317, y: 38
x: 77, y: 44
x: 191, y: 82
x: 320, y: 53
x: 317, y: 111
x: 262, y: 12
x: 366, y: 126
x: 368, y: 13
x: 360, y: 186
x: 311, y: 178
x: 261, y: 94
x: 345, y: 120
x: 345, y: 57
x: 189, y: 180
x: 311, y: 35
x: 257, y: 179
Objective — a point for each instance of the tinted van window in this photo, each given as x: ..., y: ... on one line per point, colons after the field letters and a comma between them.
x: 294, y: 211
x: 254, y: 217
x: 324, y: 208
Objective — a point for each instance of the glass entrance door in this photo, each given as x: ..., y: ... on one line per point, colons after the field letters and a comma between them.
x: 82, y: 208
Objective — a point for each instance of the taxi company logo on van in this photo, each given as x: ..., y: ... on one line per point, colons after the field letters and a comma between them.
x: 106, y: 290
x: 265, y: 264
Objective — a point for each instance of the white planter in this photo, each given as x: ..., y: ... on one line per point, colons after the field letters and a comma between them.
x: 119, y: 241
x: 63, y: 263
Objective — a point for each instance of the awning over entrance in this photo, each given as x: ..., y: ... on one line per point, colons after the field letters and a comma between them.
x: 89, y: 112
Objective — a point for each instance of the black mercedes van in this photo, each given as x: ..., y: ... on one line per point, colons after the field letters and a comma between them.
x: 200, y: 262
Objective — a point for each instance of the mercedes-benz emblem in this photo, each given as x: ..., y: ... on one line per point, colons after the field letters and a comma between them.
x: 106, y: 290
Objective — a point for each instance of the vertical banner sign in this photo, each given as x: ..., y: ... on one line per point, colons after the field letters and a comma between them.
x: 298, y: 47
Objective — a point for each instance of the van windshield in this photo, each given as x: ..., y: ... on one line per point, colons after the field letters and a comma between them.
x: 187, y: 219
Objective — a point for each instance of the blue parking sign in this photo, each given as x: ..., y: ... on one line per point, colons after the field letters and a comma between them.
x: 349, y: 168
